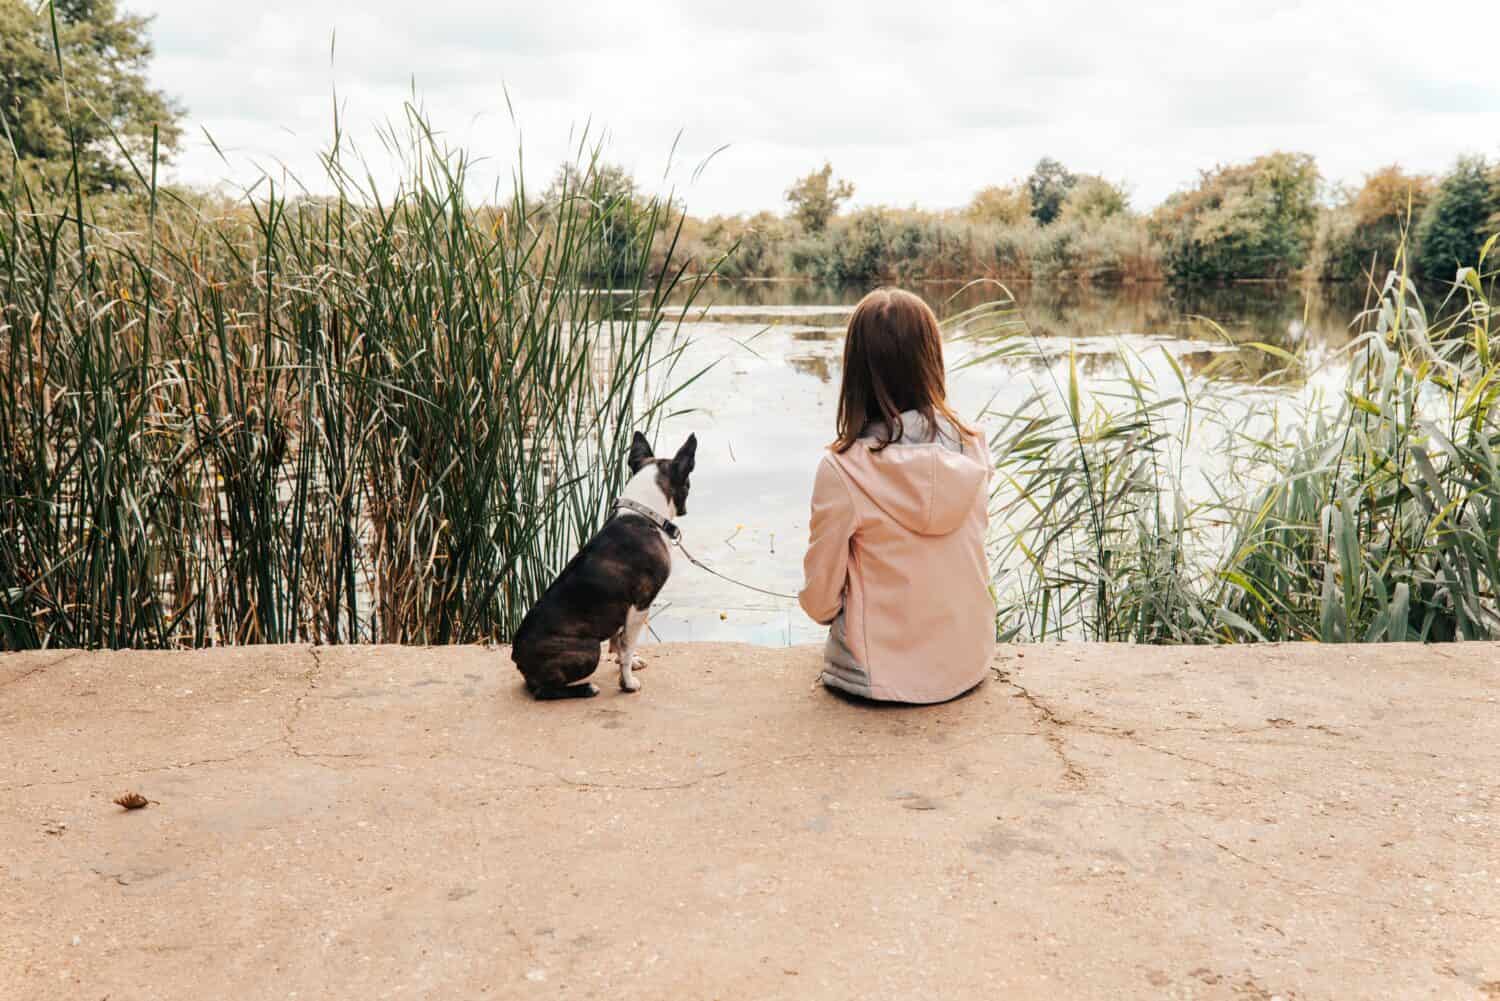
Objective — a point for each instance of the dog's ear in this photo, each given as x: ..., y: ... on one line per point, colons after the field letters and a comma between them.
x: 640, y: 452
x: 683, y: 462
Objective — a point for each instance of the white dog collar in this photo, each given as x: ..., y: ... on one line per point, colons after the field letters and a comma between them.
x: 668, y: 528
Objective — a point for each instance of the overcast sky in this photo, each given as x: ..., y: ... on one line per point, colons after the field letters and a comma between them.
x: 922, y: 102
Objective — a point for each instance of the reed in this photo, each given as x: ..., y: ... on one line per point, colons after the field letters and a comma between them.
x: 1383, y: 522
x: 368, y: 416
x: 1371, y: 515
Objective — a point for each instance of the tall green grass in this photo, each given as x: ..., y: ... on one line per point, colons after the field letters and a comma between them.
x: 1369, y: 514
x: 371, y: 415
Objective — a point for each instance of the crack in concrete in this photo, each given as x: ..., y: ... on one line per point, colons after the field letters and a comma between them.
x: 560, y: 780
x: 148, y: 770
x: 43, y: 667
x: 285, y: 739
x: 1237, y: 731
x: 564, y: 782
x: 1249, y: 778
x: 1057, y: 740
x: 1050, y: 715
x: 315, y: 675
x: 1073, y: 773
x: 289, y: 725
x: 1301, y: 884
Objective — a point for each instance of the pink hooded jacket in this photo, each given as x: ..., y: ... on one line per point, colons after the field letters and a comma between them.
x: 896, y: 565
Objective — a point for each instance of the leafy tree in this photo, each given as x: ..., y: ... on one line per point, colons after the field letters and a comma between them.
x: 601, y: 183
x: 1093, y: 198
x: 105, y: 54
x: 815, y: 199
x: 606, y: 195
x: 1391, y: 193
x: 1253, y: 220
x: 1007, y: 206
x: 1048, y: 187
x: 1456, y: 223
x: 1365, y: 232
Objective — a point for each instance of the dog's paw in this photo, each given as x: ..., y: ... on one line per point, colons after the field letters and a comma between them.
x: 586, y: 690
x: 630, y: 684
x: 637, y: 664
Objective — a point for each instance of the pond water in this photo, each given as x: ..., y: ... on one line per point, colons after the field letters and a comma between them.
x: 764, y: 411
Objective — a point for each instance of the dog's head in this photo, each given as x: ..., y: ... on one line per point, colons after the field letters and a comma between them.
x: 671, y: 474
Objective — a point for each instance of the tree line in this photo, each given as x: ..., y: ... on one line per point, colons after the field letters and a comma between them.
x: 1274, y: 217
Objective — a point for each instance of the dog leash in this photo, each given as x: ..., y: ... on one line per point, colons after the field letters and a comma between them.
x: 705, y: 567
x: 673, y: 533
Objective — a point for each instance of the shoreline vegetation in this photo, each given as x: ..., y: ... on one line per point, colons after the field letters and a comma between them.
x: 383, y: 416
x: 1366, y: 510
x: 393, y: 416
x: 1273, y: 219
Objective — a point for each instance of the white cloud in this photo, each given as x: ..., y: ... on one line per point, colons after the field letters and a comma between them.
x: 915, y: 102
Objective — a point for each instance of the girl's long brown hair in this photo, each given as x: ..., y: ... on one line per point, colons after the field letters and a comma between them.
x: 893, y: 362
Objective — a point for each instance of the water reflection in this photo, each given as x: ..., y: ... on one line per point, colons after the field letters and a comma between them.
x: 1286, y: 316
x: 820, y: 366
x: 764, y: 411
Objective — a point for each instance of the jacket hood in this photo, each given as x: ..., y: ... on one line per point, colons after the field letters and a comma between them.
x: 926, y: 479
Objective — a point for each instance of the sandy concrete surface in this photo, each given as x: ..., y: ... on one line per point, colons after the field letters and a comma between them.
x: 1094, y: 822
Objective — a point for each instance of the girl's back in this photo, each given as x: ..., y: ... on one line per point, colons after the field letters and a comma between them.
x: 896, y: 564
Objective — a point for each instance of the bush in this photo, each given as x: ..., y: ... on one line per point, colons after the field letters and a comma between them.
x: 1002, y: 206
x: 1092, y: 199
x: 880, y: 244
x: 728, y: 246
x: 1360, y: 239
x: 1254, y: 220
x: 1113, y: 249
x: 1007, y: 251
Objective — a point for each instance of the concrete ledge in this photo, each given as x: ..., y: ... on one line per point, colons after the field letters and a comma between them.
x: 1094, y: 822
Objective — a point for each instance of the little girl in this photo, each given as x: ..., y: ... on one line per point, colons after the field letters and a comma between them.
x: 896, y: 564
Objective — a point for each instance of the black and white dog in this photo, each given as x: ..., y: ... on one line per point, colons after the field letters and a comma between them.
x: 605, y: 591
